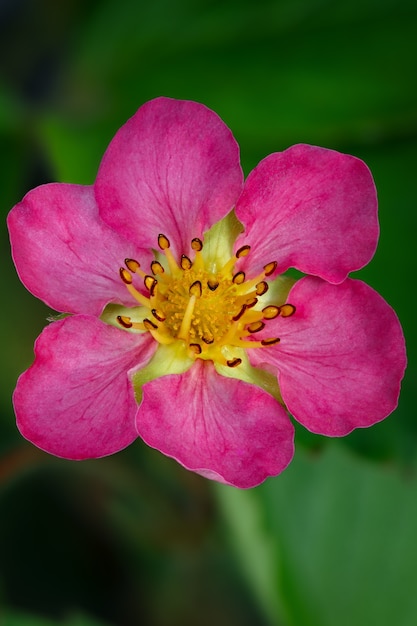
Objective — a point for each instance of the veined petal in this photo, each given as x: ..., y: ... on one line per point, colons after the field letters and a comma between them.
x: 173, y: 168
x: 219, y: 427
x: 309, y: 208
x: 341, y: 357
x: 76, y: 401
x: 65, y: 254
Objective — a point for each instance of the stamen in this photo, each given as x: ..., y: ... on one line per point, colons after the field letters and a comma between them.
x: 149, y: 325
x: 233, y: 362
x: 255, y: 327
x: 270, y: 268
x: 208, y: 339
x: 243, y: 251
x: 286, y: 310
x: 125, y: 321
x: 212, y: 284
x: 125, y: 276
x: 239, y: 278
x: 261, y: 288
x: 163, y: 242
x: 239, y: 315
x: 251, y: 302
x: 197, y: 244
x: 195, y: 347
x: 270, y: 342
x: 158, y: 315
x: 270, y: 312
x: 150, y: 283
x: 185, y: 262
x: 196, y: 289
x: 156, y: 268
x: 132, y: 265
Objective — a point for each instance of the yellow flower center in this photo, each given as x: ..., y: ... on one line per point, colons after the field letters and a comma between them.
x: 209, y: 311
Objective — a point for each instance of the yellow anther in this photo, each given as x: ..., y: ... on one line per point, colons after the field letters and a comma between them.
x: 270, y: 312
x: 150, y: 283
x: 197, y: 244
x: 156, y: 268
x: 125, y: 276
x: 243, y: 251
x: 149, y: 325
x: 233, y: 362
x: 255, y: 327
x: 158, y: 315
x: 239, y: 278
x: 270, y: 268
x: 196, y: 289
x: 270, y: 342
x: 185, y: 262
x: 195, y: 348
x: 124, y: 321
x: 132, y: 265
x: 286, y: 310
x: 163, y: 242
x: 261, y: 288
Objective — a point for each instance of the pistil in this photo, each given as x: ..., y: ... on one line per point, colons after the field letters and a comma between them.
x: 210, y: 312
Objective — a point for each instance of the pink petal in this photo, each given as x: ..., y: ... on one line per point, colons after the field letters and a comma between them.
x: 173, y: 168
x: 341, y: 357
x: 220, y: 427
x: 64, y: 254
x: 312, y: 209
x: 76, y: 401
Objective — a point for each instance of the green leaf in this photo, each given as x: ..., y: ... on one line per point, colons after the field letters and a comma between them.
x: 345, y: 533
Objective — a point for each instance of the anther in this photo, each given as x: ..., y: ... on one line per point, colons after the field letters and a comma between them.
x: 212, y: 284
x: 150, y: 283
x: 158, y: 315
x: 132, y: 265
x: 195, y: 289
x: 243, y: 251
x: 239, y: 278
x: 208, y: 339
x: 195, y: 347
x: 261, y: 288
x: 286, y: 310
x: 156, y: 268
x: 163, y: 242
x: 255, y: 327
x: 270, y: 342
x: 237, y: 317
x: 125, y: 276
x: 270, y: 268
x: 185, y: 262
x: 270, y: 312
x: 233, y: 362
x: 251, y: 302
x: 124, y: 321
x: 196, y: 244
x: 149, y: 325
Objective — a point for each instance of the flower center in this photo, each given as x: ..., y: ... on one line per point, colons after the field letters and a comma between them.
x: 209, y: 311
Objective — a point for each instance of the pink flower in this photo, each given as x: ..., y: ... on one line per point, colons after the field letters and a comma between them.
x: 183, y: 329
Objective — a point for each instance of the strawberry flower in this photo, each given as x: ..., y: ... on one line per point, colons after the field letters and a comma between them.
x: 181, y: 325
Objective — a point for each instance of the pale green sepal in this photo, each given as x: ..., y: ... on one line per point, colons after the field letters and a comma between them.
x: 136, y: 314
x: 249, y: 374
x: 219, y: 240
x: 57, y: 317
x: 168, y: 359
x: 278, y: 291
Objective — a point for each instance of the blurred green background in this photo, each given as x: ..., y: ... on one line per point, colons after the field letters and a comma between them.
x: 135, y: 539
